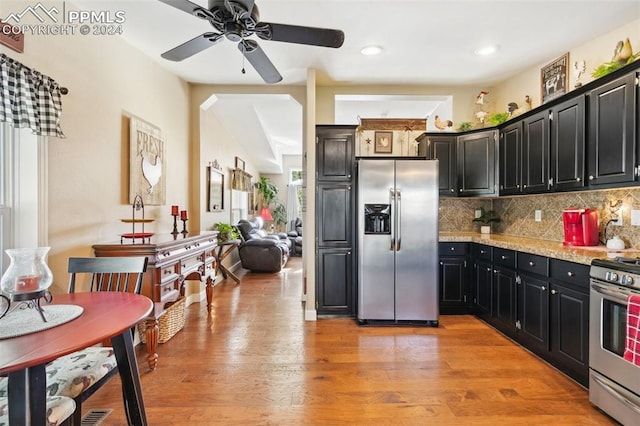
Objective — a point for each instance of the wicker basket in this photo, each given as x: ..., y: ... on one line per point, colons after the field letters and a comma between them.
x: 169, y: 324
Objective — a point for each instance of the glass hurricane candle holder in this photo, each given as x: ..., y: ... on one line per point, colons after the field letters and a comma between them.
x: 27, y: 278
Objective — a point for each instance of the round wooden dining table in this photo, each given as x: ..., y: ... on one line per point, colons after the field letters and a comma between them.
x: 106, y: 315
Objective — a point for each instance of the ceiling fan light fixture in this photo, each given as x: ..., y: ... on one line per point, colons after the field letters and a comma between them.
x: 486, y: 50
x: 371, y: 50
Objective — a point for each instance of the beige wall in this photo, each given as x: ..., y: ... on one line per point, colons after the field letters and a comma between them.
x: 594, y: 53
x: 88, y: 171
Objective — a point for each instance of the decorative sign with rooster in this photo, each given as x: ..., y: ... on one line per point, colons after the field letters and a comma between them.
x: 146, y: 166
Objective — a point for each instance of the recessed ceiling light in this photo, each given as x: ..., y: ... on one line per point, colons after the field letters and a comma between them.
x: 486, y: 50
x: 371, y: 50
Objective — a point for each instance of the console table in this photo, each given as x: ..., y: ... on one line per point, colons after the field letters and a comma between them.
x: 172, y: 260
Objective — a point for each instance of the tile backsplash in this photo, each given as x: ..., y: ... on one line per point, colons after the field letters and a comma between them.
x: 517, y: 213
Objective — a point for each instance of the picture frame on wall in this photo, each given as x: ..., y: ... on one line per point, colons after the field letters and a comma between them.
x: 554, y: 78
x: 383, y: 143
x: 215, y: 193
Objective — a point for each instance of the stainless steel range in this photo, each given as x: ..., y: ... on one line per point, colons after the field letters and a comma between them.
x: 614, y: 383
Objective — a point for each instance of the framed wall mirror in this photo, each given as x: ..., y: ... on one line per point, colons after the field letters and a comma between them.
x: 215, y: 194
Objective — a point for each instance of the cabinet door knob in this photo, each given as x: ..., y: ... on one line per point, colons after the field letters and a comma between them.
x: 532, y: 263
x: 578, y: 179
x: 441, y: 263
x: 554, y: 292
x: 503, y: 257
x: 591, y: 177
x: 571, y: 274
x: 543, y: 288
x: 488, y: 269
x: 452, y: 249
x: 482, y: 252
x: 453, y: 190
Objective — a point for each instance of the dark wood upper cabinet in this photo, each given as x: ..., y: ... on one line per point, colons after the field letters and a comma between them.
x: 567, y: 144
x: 443, y: 149
x: 334, y: 154
x: 477, y: 163
x: 535, y: 153
x: 612, y: 143
x: 510, y: 148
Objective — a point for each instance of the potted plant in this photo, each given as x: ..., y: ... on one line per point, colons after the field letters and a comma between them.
x: 279, y: 214
x: 267, y: 191
x: 486, y: 218
x: 498, y: 118
x: 226, y: 232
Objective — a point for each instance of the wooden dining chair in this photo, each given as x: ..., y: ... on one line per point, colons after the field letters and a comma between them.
x: 80, y: 374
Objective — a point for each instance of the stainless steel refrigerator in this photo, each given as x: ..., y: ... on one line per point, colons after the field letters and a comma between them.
x: 398, y: 241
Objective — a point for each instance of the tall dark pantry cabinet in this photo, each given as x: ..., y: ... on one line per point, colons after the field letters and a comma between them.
x: 335, y: 225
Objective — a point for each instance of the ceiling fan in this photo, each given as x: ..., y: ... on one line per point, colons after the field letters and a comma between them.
x: 238, y: 19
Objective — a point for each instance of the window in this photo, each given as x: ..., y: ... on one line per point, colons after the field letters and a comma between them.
x: 296, y: 177
x: 23, y: 159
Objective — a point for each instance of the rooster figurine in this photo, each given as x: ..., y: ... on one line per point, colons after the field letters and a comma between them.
x: 622, y: 52
x: 443, y: 125
x: 480, y: 97
x: 151, y: 172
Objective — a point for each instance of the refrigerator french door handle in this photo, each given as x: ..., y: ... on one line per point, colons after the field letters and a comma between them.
x: 398, y: 219
x: 392, y: 195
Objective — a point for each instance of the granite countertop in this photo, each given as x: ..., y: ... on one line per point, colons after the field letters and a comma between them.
x: 546, y: 248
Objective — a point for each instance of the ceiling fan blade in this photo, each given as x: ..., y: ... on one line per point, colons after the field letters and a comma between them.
x: 247, y: 4
x: 192, y: 47
x: 302, y: 35
x: 190, y: 8
x: 259, y: 60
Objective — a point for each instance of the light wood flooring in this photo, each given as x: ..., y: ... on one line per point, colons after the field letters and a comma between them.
x: 255, y: 361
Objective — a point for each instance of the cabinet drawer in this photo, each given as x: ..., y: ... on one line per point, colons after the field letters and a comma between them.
x: 169, y: 290
x: 504, y: 257
x: 453, y: 249
x: 168, y: 272
x: 569, y: 272
x: 533, y: 263
x: 482, y: 252
x: 191, y: 263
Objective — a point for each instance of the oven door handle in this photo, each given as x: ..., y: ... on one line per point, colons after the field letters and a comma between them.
x: 615, y: 295
x: 617, y: 394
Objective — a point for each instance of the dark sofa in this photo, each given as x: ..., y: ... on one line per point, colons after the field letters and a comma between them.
x: 260, y: 251
x: 295, y: 236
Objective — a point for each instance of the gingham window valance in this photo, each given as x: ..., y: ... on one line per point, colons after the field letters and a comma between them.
x: 29, y: 99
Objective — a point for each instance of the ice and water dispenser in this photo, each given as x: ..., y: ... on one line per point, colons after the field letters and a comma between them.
x: 377, y: 218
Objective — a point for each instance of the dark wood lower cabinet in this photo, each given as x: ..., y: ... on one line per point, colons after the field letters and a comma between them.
x: 454, y: 292
x: 482, y: 289
x: 504, y: 301
x: 570, y: 332
x: 533, y: 313
x: 335, y: 295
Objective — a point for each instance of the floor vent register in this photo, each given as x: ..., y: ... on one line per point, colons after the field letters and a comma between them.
x: 95, y: 416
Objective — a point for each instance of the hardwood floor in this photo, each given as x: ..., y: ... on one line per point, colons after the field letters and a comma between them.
x: 256, y: 361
